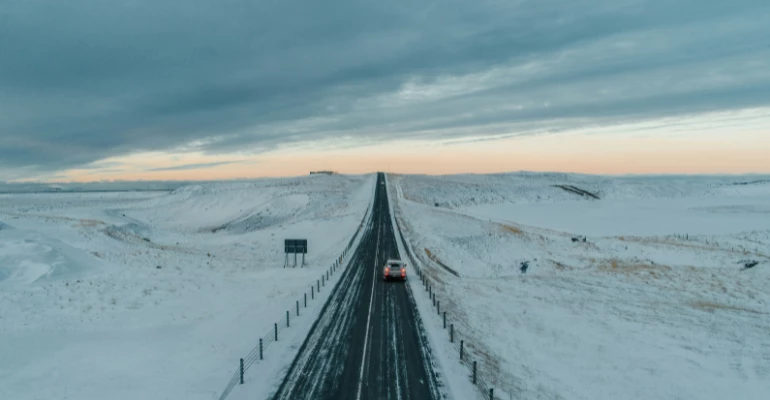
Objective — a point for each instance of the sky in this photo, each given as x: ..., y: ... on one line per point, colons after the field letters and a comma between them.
x: 196, y: 89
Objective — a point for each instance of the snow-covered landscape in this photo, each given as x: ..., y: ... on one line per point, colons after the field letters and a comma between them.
x: 400, y: 200
x: 155, y: 295
x: 635, y: 288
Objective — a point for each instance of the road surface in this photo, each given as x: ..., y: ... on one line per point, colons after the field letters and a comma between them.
x: 367, y: 342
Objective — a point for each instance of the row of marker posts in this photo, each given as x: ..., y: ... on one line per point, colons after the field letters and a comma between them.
x: 437, y: 304
x: 313, y: 290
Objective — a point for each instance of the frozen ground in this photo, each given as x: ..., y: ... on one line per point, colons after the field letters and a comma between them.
x: 155, y: 295
x: 656, y: 303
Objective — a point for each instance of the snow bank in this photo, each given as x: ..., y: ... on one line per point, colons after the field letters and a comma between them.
x: 28, y: 257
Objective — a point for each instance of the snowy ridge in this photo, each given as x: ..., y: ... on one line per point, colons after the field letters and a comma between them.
x: 523, y: 188
x: 250, y: 206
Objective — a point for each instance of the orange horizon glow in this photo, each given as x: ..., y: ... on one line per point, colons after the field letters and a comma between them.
x: 603, y: 154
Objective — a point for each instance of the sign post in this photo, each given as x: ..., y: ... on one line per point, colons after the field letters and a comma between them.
x: 294, y: 246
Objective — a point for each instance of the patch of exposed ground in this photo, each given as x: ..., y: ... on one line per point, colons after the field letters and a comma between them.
x: 512, y: 229
x: 712, y: 307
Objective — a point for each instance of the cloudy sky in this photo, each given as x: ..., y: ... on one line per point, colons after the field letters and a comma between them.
x: 162, y: 89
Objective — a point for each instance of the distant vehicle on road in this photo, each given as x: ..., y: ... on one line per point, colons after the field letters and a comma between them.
x: 394, y: 270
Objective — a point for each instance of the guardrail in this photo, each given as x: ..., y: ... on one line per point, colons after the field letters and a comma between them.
x: 257, y: 353
x: 456, y: 338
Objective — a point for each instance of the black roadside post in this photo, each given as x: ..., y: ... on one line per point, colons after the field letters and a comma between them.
x: 276, y: 331
x: 452, y: 333
x: 298, y: 308
x: 241, y: 371
x: 312, y: 293
x: 474, y: 372
x: 462, y: 347
x: 438, y: 307
x: 434, y: 301
x: 260, y: 349
x: 491, y: 394
x: 444, y: 319
x: 287, y: 319
x: 318, y: 283
x: 305, y: 300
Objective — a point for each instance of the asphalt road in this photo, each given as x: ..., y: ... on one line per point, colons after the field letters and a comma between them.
x: 367, y: 342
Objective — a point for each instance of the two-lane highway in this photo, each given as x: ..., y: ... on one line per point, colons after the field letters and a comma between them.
x: 366, y: 343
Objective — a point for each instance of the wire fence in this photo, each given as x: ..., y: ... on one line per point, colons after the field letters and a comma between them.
x: 258, y: 352
x: 459, y: 341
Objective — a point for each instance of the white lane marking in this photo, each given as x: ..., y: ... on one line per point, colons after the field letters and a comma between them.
x: 394, y: 344
x: 369, y: 317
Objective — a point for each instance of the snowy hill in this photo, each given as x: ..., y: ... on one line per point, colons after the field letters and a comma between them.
x: 527, y: 187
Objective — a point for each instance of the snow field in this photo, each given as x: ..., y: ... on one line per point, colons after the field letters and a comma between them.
x: 135, y: 296
x: 652, y: 307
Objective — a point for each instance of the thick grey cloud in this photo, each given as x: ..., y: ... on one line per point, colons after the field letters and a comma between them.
x: 84, y: 80
x: 193, y: 166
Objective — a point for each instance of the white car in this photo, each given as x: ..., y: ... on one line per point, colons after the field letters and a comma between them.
x: 394, y: 270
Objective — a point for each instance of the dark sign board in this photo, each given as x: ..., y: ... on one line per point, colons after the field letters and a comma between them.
x: 295, y: 246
